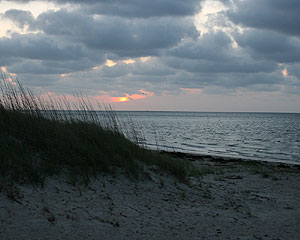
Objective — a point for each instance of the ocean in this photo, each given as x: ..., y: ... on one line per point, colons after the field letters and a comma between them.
x: 258, y: 136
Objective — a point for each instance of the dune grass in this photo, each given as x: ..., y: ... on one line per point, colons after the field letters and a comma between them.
x: 40, y: 138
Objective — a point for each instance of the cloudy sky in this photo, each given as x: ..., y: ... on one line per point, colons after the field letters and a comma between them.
x: 191, y: 55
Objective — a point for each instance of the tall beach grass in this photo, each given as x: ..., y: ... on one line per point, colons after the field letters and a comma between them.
x: 41, y: 137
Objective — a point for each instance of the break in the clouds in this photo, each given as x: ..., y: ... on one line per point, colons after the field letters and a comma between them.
x: 125, y: 49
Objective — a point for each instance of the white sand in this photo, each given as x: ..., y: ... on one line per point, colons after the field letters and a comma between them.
x: 231, y: 203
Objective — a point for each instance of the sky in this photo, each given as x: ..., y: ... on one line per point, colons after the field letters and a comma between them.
x: 192, y: 55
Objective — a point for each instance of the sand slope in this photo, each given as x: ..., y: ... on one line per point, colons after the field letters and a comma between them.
x: 232, y: 200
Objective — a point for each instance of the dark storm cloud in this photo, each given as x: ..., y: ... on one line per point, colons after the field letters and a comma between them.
x: 126, y: 37
x: 278, y: 15
x: 270, y: 45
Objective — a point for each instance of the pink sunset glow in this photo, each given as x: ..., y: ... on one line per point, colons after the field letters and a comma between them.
x: 192, y: 90
x: 135, y: 96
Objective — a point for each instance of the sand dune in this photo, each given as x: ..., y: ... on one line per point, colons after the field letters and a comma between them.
x: 226, y: 200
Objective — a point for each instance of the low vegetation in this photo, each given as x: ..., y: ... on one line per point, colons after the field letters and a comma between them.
x: 43, y: 137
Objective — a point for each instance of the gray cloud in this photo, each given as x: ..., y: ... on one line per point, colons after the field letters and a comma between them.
x: 270, y: 45
x: 123, y: 37
x: 29, y: 66
x: 38, y: 53
x: 20, y: 17
x: 211, y: 46
x: 153, y: 67
x: 73, y: 41
x: 38, y: 46
x: 277, y: 15
x: 143, y: 8
x: 213, y: 53
x: 235, y: 65
x: 134, y: 8
x: 36, y: 67
x: 294, y: 70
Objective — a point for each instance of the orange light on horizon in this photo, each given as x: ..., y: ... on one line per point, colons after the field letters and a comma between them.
x: 150, y: 94
x: 129, y: 61
x: 145, y: 59
x: 284, y: 72
x: 110, y: 63
x: 192, y: 90
x: 8, y: 76
x: 11, y: 81
x: 63, y: 74
x: 123, y: 99
x: 135, y: 96
x: 119, y: 99
x: 3, y: 69
x: 144, y: 94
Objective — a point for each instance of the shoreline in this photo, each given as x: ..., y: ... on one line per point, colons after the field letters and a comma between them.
x: 181, y: 151
x: 222, y: 200
x: 217, y: 158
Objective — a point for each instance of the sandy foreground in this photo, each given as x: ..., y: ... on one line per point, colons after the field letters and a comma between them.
x: 229, y: 200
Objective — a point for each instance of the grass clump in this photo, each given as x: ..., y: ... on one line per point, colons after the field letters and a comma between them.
x: 42, y: 137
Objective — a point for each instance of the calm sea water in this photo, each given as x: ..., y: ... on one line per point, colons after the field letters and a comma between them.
x: 260, y: 136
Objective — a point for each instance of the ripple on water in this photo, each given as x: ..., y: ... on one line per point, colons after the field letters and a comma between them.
x: 265, y: 136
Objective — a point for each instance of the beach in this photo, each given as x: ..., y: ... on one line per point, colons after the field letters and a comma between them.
x: 225, y: 199
x: 141, y: 119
